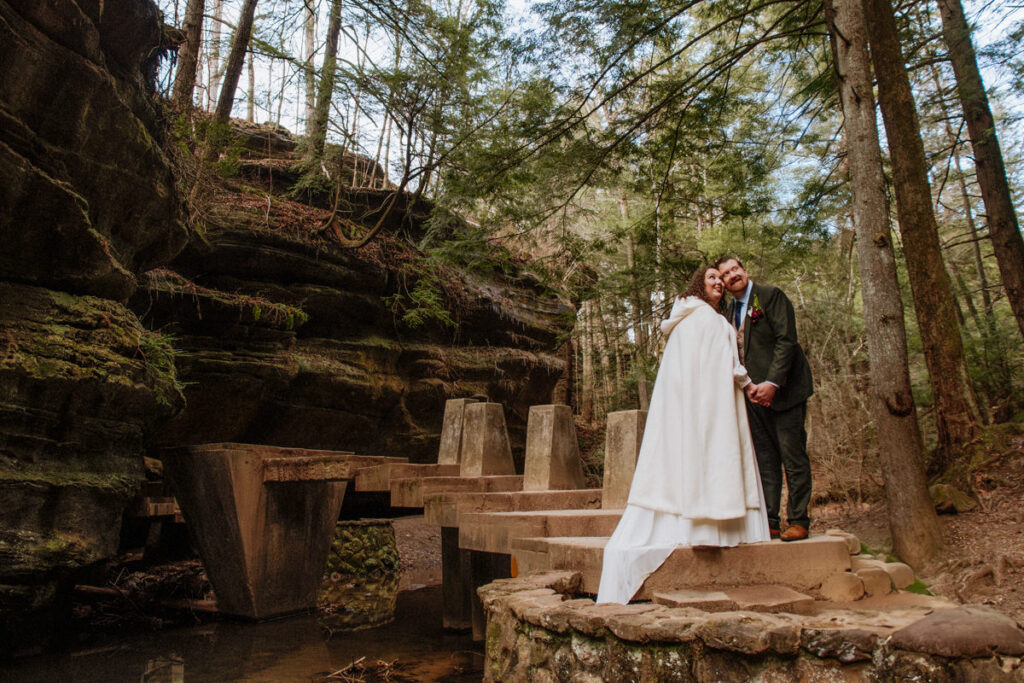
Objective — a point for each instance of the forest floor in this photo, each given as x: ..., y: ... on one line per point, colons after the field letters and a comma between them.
x: 983, y: 561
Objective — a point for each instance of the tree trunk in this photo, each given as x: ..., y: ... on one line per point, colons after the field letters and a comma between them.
x: 988, y: 157
x: 250, y: 112
x: 188, y: 56
x: 915, y: 529
x: 233, y: 70
x: 587, y: 365
x: 309, y: 72
x: 325, y: 90
x: 214, y: 54
x: 956, y: 410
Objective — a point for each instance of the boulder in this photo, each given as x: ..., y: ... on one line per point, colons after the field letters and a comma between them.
x: 968, y: 631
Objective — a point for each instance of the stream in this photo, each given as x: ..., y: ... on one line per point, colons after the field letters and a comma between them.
x: 413, y: 647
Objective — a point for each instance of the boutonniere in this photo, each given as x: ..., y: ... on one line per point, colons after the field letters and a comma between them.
x: 756, y: 312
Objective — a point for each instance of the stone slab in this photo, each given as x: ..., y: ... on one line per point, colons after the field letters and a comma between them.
x: 493, y: 532
x: 485, y: 446
x: 444, y: 509
x: 450, y: 450
x: 411, y: 492
x: 772, y: 598
x: 706, y: 600
x: 801, y: 566
x: 624, y: 434
x: 552, y: 451
x: 379, y: 477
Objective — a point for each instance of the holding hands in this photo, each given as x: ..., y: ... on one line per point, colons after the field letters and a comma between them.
x: 761, y: 394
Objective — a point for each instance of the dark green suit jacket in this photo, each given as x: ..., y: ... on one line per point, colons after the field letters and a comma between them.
x: 771, y: 350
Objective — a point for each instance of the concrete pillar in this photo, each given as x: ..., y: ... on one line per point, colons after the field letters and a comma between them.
x: 485, y: 445
x: 622, y: 446
x: 552, y: 451
x: 451, y: 431
x: 485, y: 568
x: 456, y: 589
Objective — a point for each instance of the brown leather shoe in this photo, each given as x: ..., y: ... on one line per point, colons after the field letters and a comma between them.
x: 794, y: 532
x: 773, y: 533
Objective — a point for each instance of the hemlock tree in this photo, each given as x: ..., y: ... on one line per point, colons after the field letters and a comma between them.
x: 956, y: 410
x: 913, y: 523
x: 188, y: 56
x: 1001, y: 217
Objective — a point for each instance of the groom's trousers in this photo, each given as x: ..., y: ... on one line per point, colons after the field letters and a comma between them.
x: 781, y: 445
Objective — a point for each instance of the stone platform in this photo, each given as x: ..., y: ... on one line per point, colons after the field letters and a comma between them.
x: 540, y: 627
x: 801, y: 565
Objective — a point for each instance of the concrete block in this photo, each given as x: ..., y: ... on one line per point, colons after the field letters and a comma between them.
x: 900, y: 574
x: 494, y: 532
x: 485, y: 446
x: 263, y: 519
x: 842, y: 587
x: 450, y: 450
x: 624, y: 434
x: 552, y: 451
x: 876, y: 581
x: 412, y: 492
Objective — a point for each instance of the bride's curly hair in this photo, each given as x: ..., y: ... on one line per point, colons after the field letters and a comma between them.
x: 696, y: 289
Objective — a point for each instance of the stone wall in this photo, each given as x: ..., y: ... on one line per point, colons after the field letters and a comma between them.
x: 87, y: 201
x: 538, y: 629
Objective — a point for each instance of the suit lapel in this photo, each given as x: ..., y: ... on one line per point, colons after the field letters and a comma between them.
x: 746, y: 323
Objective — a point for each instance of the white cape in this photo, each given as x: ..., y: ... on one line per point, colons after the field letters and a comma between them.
x: 696, y: 480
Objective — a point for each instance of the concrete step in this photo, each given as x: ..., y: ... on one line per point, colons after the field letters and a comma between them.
x: 379, y: 478
x: 411, y: 492
x: 801, y: 565
x: 444, y: 509
x: 493, y: 532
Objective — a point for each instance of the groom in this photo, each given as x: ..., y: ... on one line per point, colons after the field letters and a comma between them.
x: 777, y: 401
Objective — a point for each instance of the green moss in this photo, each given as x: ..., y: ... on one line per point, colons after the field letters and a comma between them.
x: 70, y: 474
x: 918, y: 587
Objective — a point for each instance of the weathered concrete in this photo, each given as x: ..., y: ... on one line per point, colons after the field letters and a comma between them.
x: 485, y: 445
x: 539, y: 629
x: 411, y: 492
x: 263, y: 527
x: 444, y: 509
x: 379, y: 477
x: 552, y: 450
x: 450, y: 451
x: 494, y: 532
x: 623, y: 436
x: 801, y: 566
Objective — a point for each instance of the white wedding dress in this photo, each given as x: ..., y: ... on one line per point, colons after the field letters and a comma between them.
x: 696, y: 480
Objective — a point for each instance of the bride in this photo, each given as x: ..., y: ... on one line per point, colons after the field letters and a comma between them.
x: 696, y: 481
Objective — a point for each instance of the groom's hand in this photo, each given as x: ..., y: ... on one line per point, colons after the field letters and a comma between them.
x: 764, y: 393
